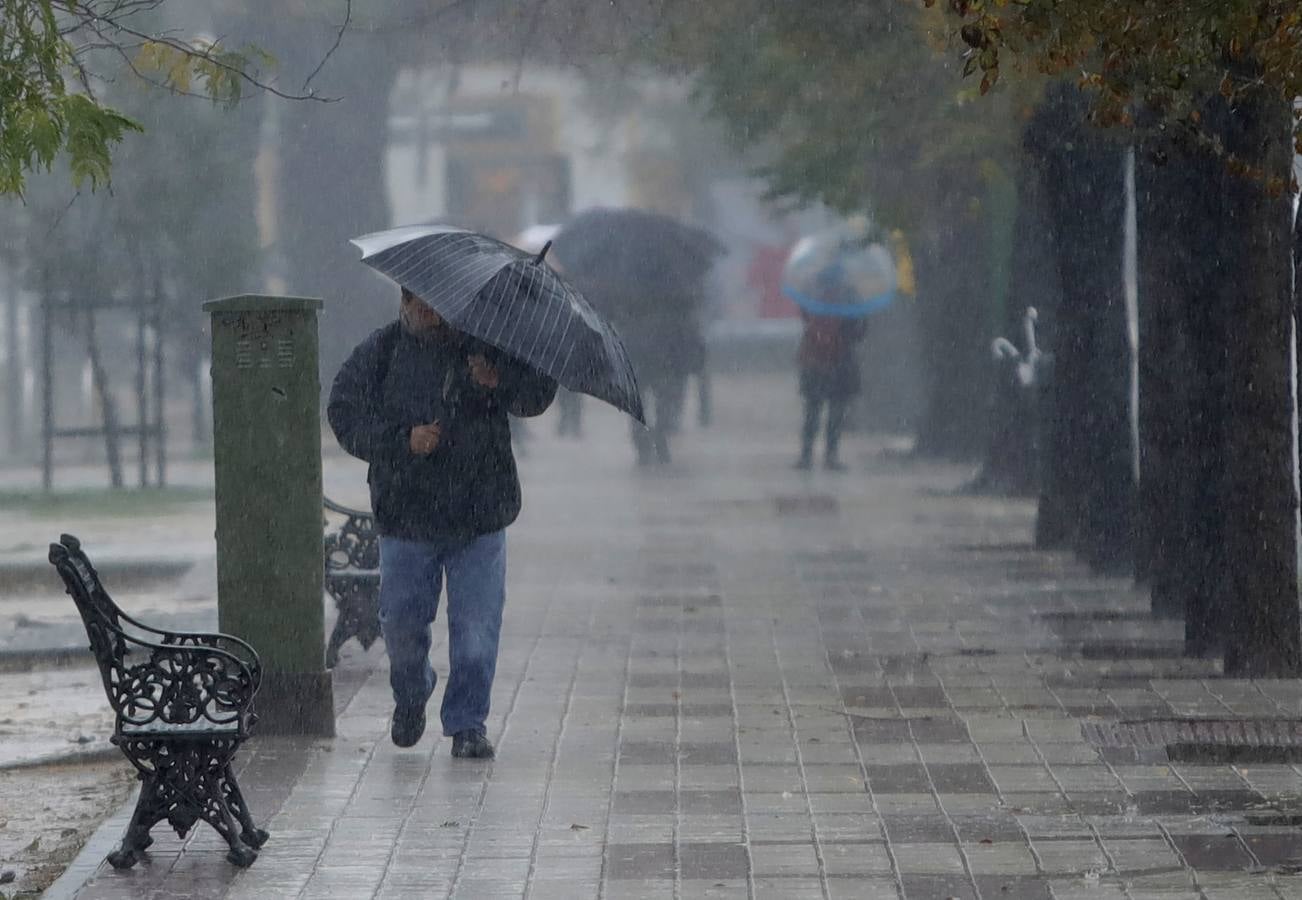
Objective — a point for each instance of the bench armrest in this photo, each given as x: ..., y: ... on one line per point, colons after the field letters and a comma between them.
x: 241, y: 650
x: 225, y: 642
x: 346, y: 510
x: 176, y: 685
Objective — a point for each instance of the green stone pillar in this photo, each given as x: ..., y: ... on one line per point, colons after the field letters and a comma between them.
x: 267, y: 455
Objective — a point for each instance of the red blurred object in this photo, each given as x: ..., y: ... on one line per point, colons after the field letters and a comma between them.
x: 764, y: 274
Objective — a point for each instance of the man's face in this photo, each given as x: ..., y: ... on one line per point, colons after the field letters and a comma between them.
x: 418, y: 315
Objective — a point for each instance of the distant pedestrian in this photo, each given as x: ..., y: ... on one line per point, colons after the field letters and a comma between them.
x: 661, y: 343
x: 829, y: 378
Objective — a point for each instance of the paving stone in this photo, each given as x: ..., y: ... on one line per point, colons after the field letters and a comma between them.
x: 898, y: 779
x: 927, y: 858
x: 786, y: 859
x: 639, y: 889
x: 788, y: 889
x: 715, y: 889
x: 1214, y: 852
x: 930, y: 887
x: 847, y: 859
x: 906, y: 804
x: 1275, y: 849
x: 707, y: 754
x: 1070, y: 856
x: 1005, y: 858
x: 918, y: 829
x: 856, y: 887
x: 1013, y: 887
x: 713, y: 860
x: 841, y: 802
x: 1130, y: 856
x: 639, y: 861
x: 960, y: 778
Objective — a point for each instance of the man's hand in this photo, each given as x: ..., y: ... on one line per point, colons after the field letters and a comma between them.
x: 484, y: 373
x: 425, y: 438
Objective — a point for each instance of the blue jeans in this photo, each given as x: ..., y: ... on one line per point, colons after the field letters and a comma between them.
x: 411, y: 576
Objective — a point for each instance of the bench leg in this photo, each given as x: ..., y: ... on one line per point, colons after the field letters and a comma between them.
x: 147, y: 814
x: 250, y: 833
x: 185, y: 781
x: 217, y: 813
x: 338, y: 636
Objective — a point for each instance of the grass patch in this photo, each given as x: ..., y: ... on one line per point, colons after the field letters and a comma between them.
x: 125, y: 502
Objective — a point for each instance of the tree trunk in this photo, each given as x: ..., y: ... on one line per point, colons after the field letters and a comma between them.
x: 1085, y: 177
x: 1204, y: 584
x: 953, y: 329
x: 1263, y: 636
x: 108, y: 406
x: 1061, y: 503
x: 1183, y: 384
x: 329, y: 180
x: 1165, y: 211
x: 332, y: 188
x: 13, y: 367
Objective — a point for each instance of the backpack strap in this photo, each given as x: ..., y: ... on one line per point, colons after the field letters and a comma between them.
x: 387, y: 344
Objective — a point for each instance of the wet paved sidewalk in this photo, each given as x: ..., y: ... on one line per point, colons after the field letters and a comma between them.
x: 731, y: 680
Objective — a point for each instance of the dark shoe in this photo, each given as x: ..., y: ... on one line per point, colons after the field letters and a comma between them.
x: 408, y: 724
x: 804, y: 464
x: 834, y: 465
x: 471, y: 745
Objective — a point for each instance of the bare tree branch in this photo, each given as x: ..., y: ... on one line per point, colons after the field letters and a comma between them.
x: 162, y: 85
x: 528, y: 38
x: 348, y: 15
x: 99, y: 22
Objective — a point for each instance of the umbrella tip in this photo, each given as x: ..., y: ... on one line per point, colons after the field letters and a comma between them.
x: 542, y: 254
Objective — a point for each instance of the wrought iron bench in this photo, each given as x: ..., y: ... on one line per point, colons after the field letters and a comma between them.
x: 352, y: 578
x: 183, y: 703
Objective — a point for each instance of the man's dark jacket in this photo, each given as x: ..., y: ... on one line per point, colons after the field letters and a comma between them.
x: 395, y: 380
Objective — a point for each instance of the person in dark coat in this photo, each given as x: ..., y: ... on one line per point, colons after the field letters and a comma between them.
x: 659, y: 339
x: 829, y: 377
x: 427, y: 408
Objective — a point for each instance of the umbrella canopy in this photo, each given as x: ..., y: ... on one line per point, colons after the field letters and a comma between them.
x: 838, y: 273
x: 637, y: 251
x: 511, y: 300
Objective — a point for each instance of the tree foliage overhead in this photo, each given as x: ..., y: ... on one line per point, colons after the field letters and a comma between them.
x: 851, y: 98
x: 54, y: 75
x: 1164, y: 56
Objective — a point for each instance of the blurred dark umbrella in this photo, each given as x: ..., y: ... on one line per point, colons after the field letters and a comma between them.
x: 512, y: 300
x: 634, y: 251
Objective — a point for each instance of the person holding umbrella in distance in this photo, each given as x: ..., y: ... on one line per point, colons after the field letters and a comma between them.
x: 838, y: 278
x: 484, y: 331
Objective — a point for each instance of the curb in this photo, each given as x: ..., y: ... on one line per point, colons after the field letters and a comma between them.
x: 25, y: 574
x: 107, y: 753
x: 44, y: 658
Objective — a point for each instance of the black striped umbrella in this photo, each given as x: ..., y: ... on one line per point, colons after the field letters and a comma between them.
x: 511, y: 300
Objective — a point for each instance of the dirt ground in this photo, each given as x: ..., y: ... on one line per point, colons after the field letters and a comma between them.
x: 46, y: 815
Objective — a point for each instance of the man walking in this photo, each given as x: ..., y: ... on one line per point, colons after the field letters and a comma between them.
x: 427, y: 408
